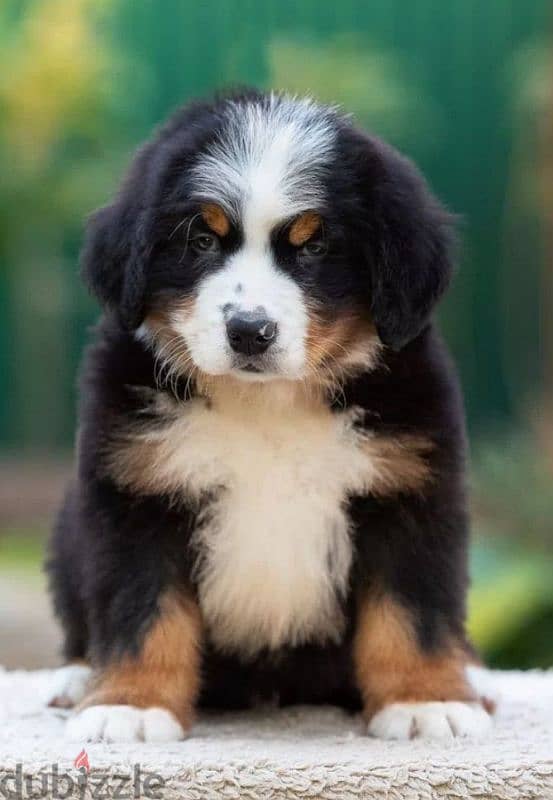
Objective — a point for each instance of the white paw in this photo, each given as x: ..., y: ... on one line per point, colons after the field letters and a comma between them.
x: 69, y: 685
x: 484, y: 682
x: 123, y: 724
x: 430, y: 721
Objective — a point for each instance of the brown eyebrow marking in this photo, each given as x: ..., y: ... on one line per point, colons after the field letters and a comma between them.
x: 304, y: 227
x: 216, y: 219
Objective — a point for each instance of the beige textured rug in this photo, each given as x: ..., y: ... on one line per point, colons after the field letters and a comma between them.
x: 293, y: 753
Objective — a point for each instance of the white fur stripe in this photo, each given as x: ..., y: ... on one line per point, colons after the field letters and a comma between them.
x: 270, y: 156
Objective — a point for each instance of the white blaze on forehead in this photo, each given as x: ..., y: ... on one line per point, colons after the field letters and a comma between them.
x: 267, y: 164
x: 269, y: 161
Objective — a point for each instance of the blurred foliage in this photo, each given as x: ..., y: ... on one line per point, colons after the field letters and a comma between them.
x: 58, y: 104
x: 342, y: 67
x: 511, y: 602
x: 513, y: 492
x: 53, y: 48
x: 511, y: 598
x: 22, y: 551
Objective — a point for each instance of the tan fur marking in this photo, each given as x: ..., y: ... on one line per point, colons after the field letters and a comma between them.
x: 303, y: 228
x: 341, y: 346
x: 173, y: 357
x: 216, y: 219
x: 390, y: 666
x: 166, y: 673
x: 401, y: 463
x: 158, y: 320
x: 133, y: 461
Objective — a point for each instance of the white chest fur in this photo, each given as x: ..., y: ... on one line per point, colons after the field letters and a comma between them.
x: 274, y: 545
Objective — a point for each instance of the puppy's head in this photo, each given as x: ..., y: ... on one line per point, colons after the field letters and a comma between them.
x: 266, y: 237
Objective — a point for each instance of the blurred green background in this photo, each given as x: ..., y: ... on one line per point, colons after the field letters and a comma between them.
x: 465, y: 87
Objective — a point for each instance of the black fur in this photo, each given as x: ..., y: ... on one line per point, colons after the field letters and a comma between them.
x: 114, y: 553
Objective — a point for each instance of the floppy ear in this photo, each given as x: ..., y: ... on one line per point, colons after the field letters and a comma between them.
x: 118, y: 241
x: 113, y: 261
x: 115, y: 252
x: 411, y: 251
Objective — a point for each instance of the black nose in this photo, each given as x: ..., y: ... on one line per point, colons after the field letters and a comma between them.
x: 250, y: 332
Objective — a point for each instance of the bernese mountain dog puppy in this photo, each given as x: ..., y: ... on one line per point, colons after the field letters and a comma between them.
x: 269, y: 502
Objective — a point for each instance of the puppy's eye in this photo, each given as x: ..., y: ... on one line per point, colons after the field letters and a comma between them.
x: 205, y: 243
x: 316, y: 247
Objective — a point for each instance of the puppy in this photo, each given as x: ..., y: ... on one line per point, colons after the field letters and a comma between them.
x: 269, y: 500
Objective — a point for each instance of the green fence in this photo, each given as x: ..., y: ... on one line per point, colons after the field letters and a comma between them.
x: 456, y: 84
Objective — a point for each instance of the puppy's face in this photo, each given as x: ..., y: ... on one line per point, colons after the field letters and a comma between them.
x: 266, y: 238
x: 249, y: 307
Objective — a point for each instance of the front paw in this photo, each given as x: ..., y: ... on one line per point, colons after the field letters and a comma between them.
x: 69, y: 685
x: 113, y: 723
x: 435, y: 720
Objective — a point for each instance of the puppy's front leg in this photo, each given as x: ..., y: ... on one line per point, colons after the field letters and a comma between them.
x: 410, y: 690
x: 149, y: 694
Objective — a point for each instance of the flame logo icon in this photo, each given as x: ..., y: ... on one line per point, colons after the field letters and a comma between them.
x: 82, y: 761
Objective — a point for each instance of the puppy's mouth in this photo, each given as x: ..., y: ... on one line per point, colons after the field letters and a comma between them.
x: 255, y: 368
x: 252, y: 369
